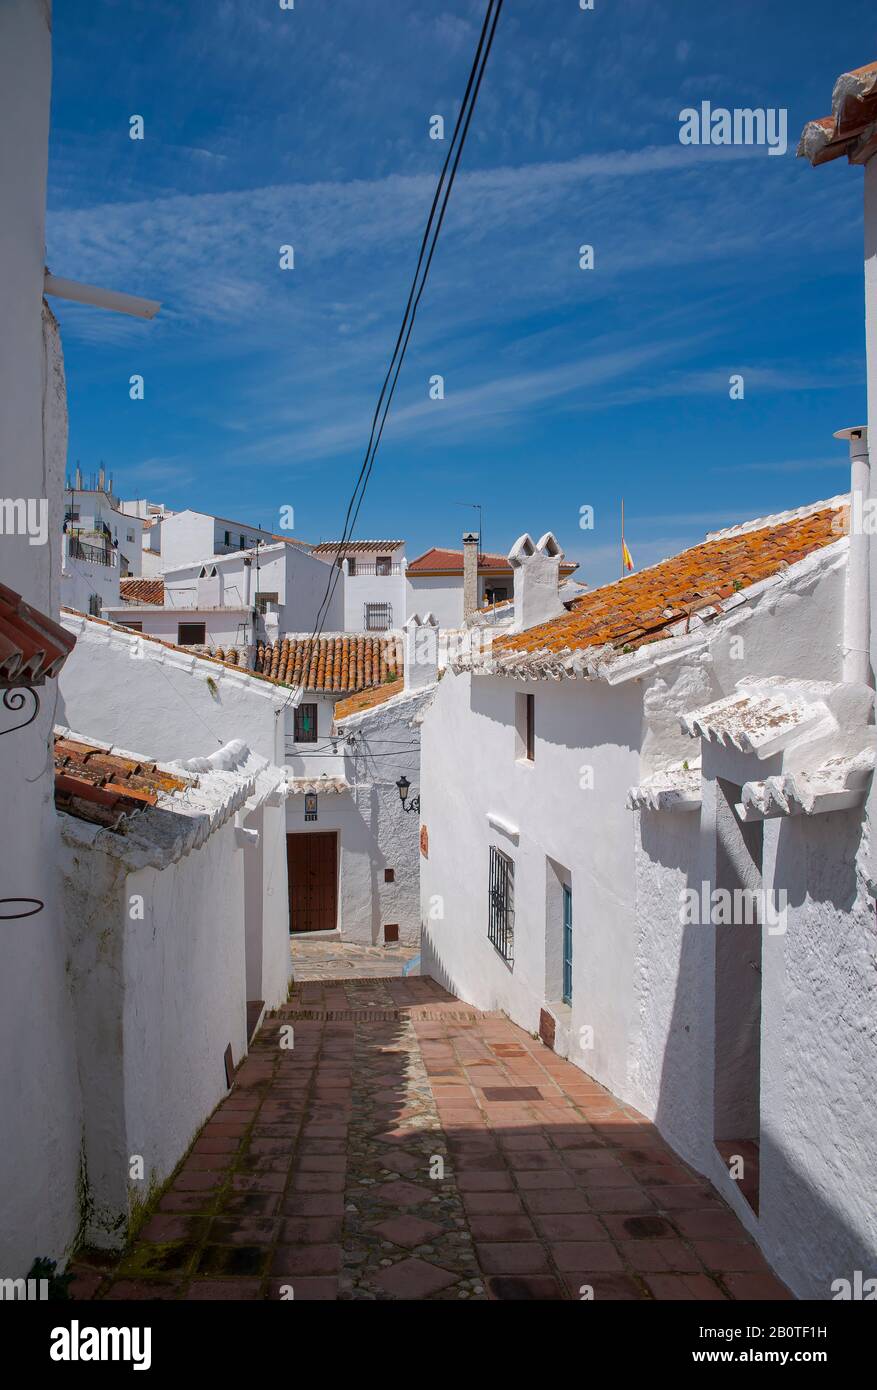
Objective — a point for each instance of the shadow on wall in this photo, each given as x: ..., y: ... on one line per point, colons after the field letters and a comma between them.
x: 726, y: 1043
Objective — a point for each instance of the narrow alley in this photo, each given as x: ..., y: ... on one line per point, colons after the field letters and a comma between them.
x: 407, y: 1146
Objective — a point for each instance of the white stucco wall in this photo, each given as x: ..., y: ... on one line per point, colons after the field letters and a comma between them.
x: 470, y: 769
x: 437, y: 594
x: 140, y: 695
x: 39, y: 1096
x: 641, y: 980
x: 156, y: 1001
x: 185, y: 537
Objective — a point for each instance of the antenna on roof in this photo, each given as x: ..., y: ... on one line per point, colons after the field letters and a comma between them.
x: 476, y: 506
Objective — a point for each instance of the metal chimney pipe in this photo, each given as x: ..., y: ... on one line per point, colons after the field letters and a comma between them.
x: 857, y: 618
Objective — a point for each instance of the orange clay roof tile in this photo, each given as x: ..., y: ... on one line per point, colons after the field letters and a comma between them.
x: 33, y: 648
x: 141, y: 590
x: 369, y: 699
x: 349, y: 662
x: 95, y: 785
x: 636, y: 610
x: 850, y: 129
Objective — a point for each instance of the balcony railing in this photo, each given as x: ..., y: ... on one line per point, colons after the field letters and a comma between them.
x: 376, y: 570
x: 95, y: 554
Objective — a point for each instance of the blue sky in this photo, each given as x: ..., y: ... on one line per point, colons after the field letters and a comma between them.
x: 563, y: 388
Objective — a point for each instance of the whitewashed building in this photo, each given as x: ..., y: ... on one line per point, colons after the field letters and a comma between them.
x: 371, y: 587
x: 94, y: 521
x: 576, y: 831
x: 229, y: 603
x: 190, y: 535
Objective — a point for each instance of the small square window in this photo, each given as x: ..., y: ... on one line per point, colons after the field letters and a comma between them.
x: 305, y: 723
x: 389, y: 875
x: 191, y: 634
x: 391, y: 931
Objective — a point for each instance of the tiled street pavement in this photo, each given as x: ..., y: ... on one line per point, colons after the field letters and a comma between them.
x: 409, y: 1147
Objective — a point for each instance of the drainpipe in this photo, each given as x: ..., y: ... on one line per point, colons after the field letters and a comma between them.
x: 856, y: 656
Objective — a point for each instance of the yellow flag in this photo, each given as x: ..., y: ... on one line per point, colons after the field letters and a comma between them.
x: 626, y: 557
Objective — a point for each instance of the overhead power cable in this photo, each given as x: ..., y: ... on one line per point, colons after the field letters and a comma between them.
x: 418, y: 284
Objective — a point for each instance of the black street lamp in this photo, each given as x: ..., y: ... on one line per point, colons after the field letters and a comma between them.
x: 404, y: 787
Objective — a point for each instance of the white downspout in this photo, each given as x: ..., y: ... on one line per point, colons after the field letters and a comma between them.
x: 857, y: 626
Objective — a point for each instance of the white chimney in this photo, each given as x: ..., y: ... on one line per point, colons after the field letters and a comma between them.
x: 537, y: 581
x: 471, y: 543
x: 856, y: 657
x: 421, y: 651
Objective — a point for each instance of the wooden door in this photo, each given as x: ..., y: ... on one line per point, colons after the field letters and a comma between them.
x: 312, y: 868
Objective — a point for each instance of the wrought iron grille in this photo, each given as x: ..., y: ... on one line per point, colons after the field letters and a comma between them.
x: 378, y: 617
x: 501, y: 901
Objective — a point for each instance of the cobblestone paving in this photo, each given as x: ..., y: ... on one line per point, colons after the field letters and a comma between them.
x: 410, y: 1147
x: 322, y: 959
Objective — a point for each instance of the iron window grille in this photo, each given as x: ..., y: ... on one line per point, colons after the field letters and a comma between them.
x: 501, y: 904
x: 305, y: 724
x: 378, y: 617
x: 266, y: 597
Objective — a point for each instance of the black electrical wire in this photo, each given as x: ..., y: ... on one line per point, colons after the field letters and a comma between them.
x: 452, y: 161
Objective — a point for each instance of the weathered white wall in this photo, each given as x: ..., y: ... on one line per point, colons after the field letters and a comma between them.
x: 644, y: 982
x: 385, y: 746
x: 157, y: 1000
x: 374, y: 833
x: 39, y: 1095
x: 176, y: 712
x: 469, y: 769
x: 437, y: 594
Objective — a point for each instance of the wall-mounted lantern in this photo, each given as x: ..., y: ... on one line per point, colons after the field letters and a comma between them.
x: 404, y: 786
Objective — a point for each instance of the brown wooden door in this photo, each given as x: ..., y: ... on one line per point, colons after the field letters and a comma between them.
x: 311, y: 862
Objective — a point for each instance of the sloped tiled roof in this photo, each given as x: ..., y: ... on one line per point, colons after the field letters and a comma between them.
x: 141, y: 590
x: 353, y: 547
x: 851, y: 129
x: 640, y: 608
x: 95, y: 785
x: 368, y: 699
x: 348, y: 662
x: 440, y: 560
x: 33, y: 648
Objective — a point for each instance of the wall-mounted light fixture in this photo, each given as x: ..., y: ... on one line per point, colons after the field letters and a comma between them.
x: 404, y: 786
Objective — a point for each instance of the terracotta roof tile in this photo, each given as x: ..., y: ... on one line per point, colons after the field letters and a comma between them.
x: 33, y: 648
x: 368, y: 699
x: 141, y: 590
x: 95, y: 784
x: 638, y: 609
x: 440, y: 560
x: 348, y: 662
x: 850, y: 129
